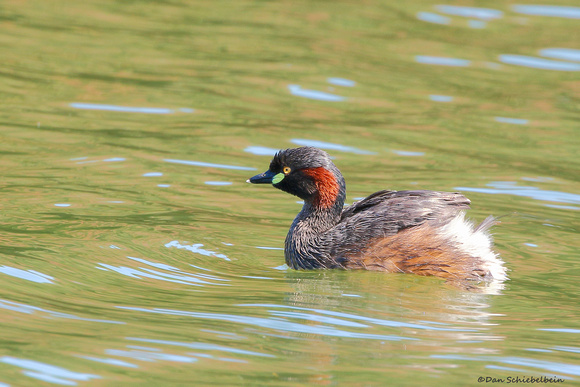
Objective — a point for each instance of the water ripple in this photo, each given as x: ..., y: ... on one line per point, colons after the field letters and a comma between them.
x: 47, y: 372
x: 202, y: 346
x: 276, y: 324
x: 341, y: 82
x: 563, y: 330
x: 571, y: 369
x: 370, y: 320
x: 110, y: 361
x: 29, y: 275
x: 442, y: 61
x: 126, y: 109
x: 440, y: 98
x: 261, y: 150
x: 538, y: 63
x: 474, y: 12
x: 177, y: 275
x: 566, y: 349
x: 330, y: 146
x: 209, y: 165
x: 28, y: 309
x: 548, y: 10
x: 321, y: 319
x: 561, y: 53
x: 218, y: 183
x: 314, y: 94
x: 175, y: 269
x: 197, y: 248
x: 407, y: 153
x: 433, y: 18
x: 515, y: 121
x: 510, y: 188
x: 150, y: 356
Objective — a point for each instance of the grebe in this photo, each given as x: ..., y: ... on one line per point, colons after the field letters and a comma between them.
x: 420, y: 232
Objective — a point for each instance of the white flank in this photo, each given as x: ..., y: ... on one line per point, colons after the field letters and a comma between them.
x: 477, y: 244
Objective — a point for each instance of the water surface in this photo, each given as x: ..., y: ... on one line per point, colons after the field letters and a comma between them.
x: 133, y: 251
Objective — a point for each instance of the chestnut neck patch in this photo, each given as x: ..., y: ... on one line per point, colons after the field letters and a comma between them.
x: 325, y: 184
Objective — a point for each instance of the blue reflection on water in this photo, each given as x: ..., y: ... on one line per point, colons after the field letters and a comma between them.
x: 516, y: 121
x: 442, y: 61
x: 272, y: 323
x: 561, y: 53
x: 150, y: 356
x: 158, y: 265
x: 440, y: 98
x: 209, y: 165
x: 261, y: 150
x: 563, y: 207
x: 140, y: 347
x: 176, y: 275
x: 109, y: 160
x: 110, y: 361
x: 474, y: 12
x: 538, y: 63
x: 29, y: 275
x: 47, y: 372
x: 341, y: 82
x: 313, y: 317
x: 218, y: 183
x: 522, y: 361
x: 269, y: 248
x: 197, y: 248
x: 563, y: 330
x: 370, y: 320
x: 330, y: 146
x: 566, y: 349
x: 540, y: 179
x: 511, y: 188
x: 407, y: 153
x: 153, y: 274
x: 202, y: 346
x: 314, y: 94
x: 433, y: 18
x: 124, y: 109
x: 28, y: 309
x: 496, y: 367
x: 548, y: 10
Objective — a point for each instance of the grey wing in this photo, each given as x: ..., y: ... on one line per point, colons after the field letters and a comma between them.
x: 385, y: 213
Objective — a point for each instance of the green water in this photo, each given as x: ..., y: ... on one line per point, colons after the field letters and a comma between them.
x: 124, y: 263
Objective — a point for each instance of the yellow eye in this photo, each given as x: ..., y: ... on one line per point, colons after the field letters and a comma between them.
x: 287, y: 170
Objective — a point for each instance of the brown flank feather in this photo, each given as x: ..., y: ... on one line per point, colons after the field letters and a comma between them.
x: 419, y: 250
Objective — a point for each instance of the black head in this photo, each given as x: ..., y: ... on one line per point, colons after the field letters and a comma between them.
x: 306, y: 172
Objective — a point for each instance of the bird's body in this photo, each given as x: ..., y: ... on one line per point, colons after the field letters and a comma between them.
x: 421, y: 232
